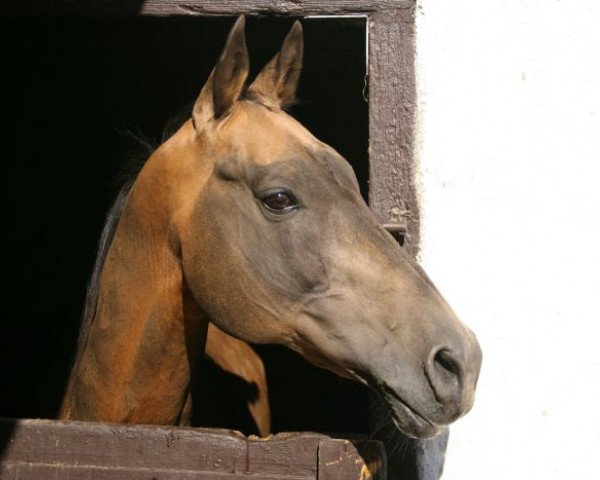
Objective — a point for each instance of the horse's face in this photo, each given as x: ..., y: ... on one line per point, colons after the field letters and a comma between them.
x: 279, y: 246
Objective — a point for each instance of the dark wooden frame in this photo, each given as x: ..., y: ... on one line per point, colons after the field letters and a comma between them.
x: 41, y: 449
x: 392, y: 192
x: 392, y: 94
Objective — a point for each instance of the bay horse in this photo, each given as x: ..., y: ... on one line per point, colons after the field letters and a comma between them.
x: 243, y: 220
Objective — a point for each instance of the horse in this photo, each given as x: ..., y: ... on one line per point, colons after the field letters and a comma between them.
x: 244, y: 223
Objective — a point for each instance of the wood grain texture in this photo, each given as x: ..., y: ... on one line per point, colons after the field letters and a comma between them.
x: 40, y: 449
x: 122, y: 446
x: 198, y: 7
x: 28, y: 471
x: 392, y: 110
x: 344, y: 460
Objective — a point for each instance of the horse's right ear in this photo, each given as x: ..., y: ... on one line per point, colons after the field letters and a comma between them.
x: 225, y: 84
x: 276, y: 84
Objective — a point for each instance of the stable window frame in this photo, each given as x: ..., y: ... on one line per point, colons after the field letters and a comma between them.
x: 390, y: 71
x: 392, y: 108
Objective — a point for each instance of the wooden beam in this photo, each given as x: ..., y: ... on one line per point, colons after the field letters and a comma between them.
x: 338, y: 460
x: 198, y: 7
x: 40, y: 449
x: 392, y: 110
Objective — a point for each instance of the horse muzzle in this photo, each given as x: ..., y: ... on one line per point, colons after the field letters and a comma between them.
x: 451, y: 378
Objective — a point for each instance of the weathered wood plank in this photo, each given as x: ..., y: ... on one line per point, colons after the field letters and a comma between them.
x: 123, y: 446
x: 32, y: 471
x: 36, y: 449
x: 392, y: 110
x: 286, y: 453
x: 343, y: 460
x: 198, y: 7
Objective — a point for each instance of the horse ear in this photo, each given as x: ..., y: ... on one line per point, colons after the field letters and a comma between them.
x: 225, y: 83
x: 276, y: 84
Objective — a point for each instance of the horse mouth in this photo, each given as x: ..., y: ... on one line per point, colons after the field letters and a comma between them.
x: 405, y: 417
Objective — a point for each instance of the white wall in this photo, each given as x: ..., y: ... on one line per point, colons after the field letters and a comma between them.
x: 509, y: 126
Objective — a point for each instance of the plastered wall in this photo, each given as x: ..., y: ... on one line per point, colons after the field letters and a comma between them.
x: 509, y: 153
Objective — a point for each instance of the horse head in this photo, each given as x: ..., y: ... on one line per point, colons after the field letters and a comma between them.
x: 276, y: 245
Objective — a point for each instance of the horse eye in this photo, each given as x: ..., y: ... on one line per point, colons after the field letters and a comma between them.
x: 280, y: 202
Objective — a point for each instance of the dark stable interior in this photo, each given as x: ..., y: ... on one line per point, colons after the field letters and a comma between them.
x: 70, y: 90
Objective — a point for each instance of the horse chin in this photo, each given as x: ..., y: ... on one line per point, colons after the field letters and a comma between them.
x: 406, y: 418
x: 411, y: 423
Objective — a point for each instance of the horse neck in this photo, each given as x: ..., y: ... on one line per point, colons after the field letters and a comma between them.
x: 136, y: 362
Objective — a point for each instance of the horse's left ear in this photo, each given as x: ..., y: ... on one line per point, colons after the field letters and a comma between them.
x: 276, y: 84
x: 226, y: 82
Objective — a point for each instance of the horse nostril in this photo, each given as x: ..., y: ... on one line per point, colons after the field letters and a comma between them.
x: 444, y: 360
x: 445, y: 373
